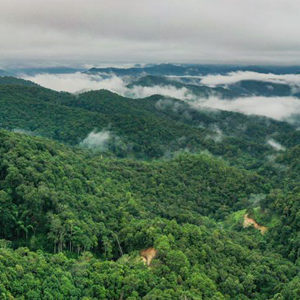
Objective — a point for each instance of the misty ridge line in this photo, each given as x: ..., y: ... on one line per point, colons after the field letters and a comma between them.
x: 282, y: 108
x: 234, y: 77
x: 78, y: 82
x: 82, y: 81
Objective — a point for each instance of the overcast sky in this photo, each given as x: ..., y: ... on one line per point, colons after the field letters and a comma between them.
x: 79, y: 32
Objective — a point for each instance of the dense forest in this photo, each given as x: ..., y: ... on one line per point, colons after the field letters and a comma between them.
x: 92, y: 185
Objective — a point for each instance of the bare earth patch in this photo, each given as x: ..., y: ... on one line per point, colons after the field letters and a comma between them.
x: 147, y: 255
x: 251, y: 222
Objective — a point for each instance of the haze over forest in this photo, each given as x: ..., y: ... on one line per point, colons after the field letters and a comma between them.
x: 150, y: 149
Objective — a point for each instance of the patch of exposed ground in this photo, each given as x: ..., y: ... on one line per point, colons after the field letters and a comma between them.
x: 147, y: 255
x: 251, y: 222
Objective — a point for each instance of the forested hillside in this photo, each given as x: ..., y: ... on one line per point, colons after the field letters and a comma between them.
x: 146, y: 128
x: 90, y: 182
x: 59, y: 200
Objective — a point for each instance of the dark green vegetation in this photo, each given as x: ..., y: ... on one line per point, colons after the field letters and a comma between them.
x: 72, y: 221
x: 190, y: 69
x: 143, y: 128
x: 13, y: 81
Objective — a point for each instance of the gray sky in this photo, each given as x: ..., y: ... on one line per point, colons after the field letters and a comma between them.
x: 56, y: 32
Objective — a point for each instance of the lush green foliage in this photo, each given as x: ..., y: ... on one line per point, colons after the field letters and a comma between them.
x: 73, y: 221
x: 144, y: 128
x: 59, y: 199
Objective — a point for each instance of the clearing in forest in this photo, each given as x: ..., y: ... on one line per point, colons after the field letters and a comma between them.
x: 249, y: 222
x: 148, y: 254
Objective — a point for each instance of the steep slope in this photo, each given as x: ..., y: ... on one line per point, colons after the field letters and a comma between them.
x: 284, y: 201
x: 65, y: 201
x: 144, y: 128
x: 9, y: 80
x: 4, y: 73
x: 39, y: 178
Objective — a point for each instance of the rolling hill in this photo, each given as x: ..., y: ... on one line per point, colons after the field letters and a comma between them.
x: 90, y: 184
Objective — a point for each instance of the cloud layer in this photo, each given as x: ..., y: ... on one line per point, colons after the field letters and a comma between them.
x: 80, y: 82
x: 233, y: 77
x: 98, y: 31
x: 77, y: 82
x: 279, y: 108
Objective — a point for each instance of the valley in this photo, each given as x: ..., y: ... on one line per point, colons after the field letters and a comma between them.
x: 106, y: 196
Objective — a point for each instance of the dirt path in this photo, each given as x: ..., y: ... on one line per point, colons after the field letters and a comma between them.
x: 251, y: 222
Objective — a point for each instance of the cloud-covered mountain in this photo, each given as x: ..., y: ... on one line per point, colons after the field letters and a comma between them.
x: 249, y: 90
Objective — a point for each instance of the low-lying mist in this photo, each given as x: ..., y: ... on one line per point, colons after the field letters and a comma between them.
x: 279, y: 108
x: 81, y: 82
x: 97, y: 140
x: 233, y: 77
x: 77, y: 82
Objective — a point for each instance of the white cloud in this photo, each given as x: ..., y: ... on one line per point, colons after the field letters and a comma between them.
x: 79, y: 82
x: 97, y: 140
x: 163, y: 104
x: 277, y: 146
x: 233, y: 77
x: 279, y: 108
x: 166, y: 90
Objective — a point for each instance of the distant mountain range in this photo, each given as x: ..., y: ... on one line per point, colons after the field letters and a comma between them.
x: 187, y: 69
x: 243, y: 88
x: 156, y: 69
x: 146, y: 128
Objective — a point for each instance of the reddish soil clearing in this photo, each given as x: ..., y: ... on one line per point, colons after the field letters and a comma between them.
x: 147, y: 255
x: 251, y: 222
